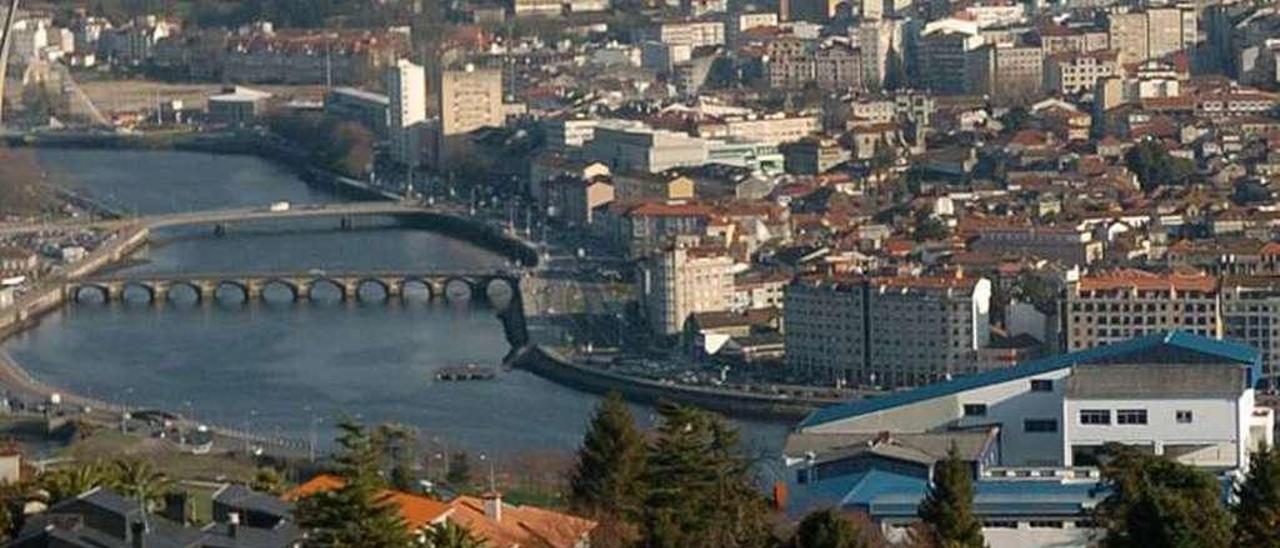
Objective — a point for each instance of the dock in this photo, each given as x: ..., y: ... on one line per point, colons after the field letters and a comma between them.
x: 469, y: 372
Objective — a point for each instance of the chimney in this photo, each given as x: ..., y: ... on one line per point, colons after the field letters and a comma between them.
x: 493, y: 506
x: 138, y: 534
x: 233, y: 524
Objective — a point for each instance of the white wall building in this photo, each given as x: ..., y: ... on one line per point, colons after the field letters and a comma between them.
x: 406, y: 85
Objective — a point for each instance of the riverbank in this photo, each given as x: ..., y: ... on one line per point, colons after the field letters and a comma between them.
x: 783, y: 408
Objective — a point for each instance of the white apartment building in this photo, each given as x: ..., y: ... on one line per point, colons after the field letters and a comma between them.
x: 470, y: 99
x: 1111, y: 307
x: 1069, y: 73
x: 684, y: 279
x: 628, y: 146
x: 406, y: 85
x: 690, y: 33
x: 569, y: 133
x: 771, y: 129
x: 886, y: 331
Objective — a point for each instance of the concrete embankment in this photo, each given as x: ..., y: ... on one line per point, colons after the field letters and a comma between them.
x: 48, y: 294
x: 782, y: 408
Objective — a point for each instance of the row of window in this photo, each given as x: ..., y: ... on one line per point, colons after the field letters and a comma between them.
x: 1128, y: 416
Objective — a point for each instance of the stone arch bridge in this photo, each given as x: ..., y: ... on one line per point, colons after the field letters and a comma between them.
x: 440, y: 285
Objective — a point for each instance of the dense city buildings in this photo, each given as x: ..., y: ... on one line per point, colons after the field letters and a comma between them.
x: 1004, y: 233
x: 886, y: 331
x: 684, y: 279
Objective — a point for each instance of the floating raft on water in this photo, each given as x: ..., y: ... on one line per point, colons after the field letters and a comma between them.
x: 468, y: 372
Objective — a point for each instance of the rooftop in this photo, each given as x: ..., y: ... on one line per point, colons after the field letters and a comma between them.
x: 1169, y: 345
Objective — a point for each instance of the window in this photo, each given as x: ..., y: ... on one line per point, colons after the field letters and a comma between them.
x: 1183, y: 416
x: 1041, y: 385
x: 975, y: 409
x: 1095, y: 416
x: 1040, y: 425
x: 1131, y: 416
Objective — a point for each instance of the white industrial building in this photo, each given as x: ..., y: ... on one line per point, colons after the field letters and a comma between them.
x: 1033, y: 433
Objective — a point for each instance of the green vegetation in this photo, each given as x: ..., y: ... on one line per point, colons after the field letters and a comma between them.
x: 1155, y: 167
x: 343, y: 147
x: 947, y: 509
x: 1158, y: 502
x: 1257, y: 512
x: 827, y: 529
x: 451, y: 535
x: 607, y: 482
x: 353, y: 515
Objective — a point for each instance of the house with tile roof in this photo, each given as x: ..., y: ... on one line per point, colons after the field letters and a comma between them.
x: 507, y: 525
x: 417, y: 511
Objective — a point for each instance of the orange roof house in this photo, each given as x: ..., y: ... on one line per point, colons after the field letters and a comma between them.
x: 510, y: 526
x: 418, y: 512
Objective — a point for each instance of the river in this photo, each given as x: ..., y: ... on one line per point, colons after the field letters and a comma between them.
x: 275, y: 367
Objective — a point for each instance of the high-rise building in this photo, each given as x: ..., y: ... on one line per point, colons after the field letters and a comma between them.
x: 1114, y: 306
x: 1152, y: 33
x: 684, y: 279
x: 944, y: 55
x: 1251, y: 314
x: 1007, y: 71
x: 406, y: 85
x: 900, y: 331
x: 470, y: 99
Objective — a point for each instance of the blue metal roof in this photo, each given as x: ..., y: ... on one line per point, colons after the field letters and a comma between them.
x: 1001, y: 498
x: 1171, y: 340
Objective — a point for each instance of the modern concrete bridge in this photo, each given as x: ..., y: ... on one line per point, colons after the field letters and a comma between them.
x: 221, y: 217
x: 462, y: 285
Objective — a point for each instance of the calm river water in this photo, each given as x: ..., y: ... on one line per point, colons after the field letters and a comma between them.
x: 273, y: 367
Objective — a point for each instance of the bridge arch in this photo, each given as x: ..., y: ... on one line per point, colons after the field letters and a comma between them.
x: 295, y: 292
x: 78, y: 292
x: 193, y: 286
x: 499, y: 289
x: 244, y: 289
x: 459, y: 289
x: 363, y: 282
x: 148, y: 289
x: 415, y: 281
x: 326, y: 281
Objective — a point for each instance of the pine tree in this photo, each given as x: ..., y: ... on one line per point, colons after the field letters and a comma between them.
x: 451, y: 535
x: 459, y: 474
x: 608, y: 478
x: 895, y: 73
x: 1258, y: 511
x: 947, y: 510
x: 1155, y: 501
x: 827, y: 529
x: 699, y: 492
x: 355, y: 515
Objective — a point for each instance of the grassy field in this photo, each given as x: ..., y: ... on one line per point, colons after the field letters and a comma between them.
x: 133, y: 95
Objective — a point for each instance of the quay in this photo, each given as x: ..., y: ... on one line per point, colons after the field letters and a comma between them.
x: 468, y: 372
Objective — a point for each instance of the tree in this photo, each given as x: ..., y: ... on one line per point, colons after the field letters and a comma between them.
x: 267, y: 480
x: 65, y: 483
x: 1155, y: 167
x: 356, y: 514
x: 699, y: 492
x: 1258, y: 511
x: 396, y: 442
x: 928, y: 227
x: 947, y: 509
x: 827, y: 529
x: 140, y: 480
x: 451, y: 535
x: 1156, y: 501
x: 895, y: 71
x: 459, y: 470
x: 608, y: 477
